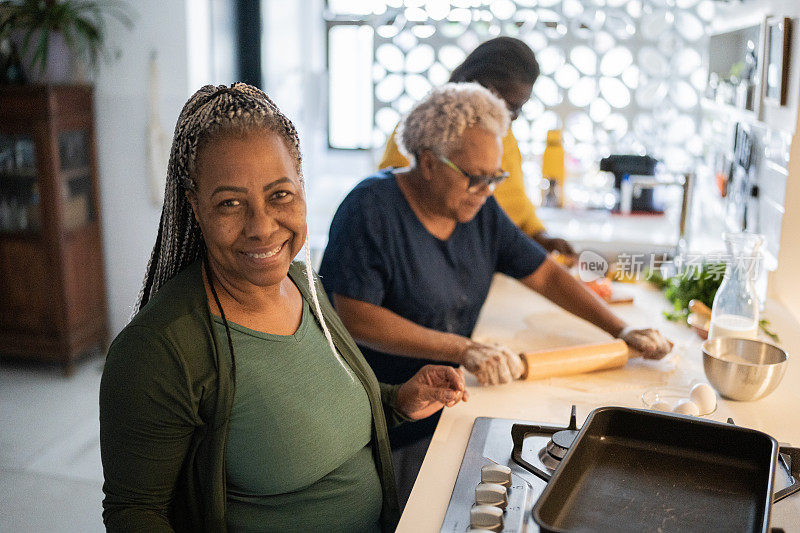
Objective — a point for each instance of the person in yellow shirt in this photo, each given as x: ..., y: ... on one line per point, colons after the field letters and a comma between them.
x: 508, y: 68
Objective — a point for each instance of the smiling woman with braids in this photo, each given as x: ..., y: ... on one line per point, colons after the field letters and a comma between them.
x: 235, y: 399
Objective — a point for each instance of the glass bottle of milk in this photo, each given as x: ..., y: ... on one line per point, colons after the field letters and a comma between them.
x: 734, y: 312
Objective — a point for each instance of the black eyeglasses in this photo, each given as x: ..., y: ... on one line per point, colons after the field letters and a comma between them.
x: 476, y: 182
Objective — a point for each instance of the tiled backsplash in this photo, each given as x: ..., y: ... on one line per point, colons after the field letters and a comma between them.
x: 764, y: 210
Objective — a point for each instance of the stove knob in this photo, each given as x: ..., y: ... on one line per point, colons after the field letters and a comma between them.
x: 486, y: 517
x: 491, y: 494
x: 495, y: 473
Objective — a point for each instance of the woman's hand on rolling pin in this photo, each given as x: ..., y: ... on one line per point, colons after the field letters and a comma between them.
x: 491, y: 364
x: 430, y: 389
x: 646, y: 341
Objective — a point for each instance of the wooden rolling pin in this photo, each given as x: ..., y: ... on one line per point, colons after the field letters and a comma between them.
x: 574, y: 360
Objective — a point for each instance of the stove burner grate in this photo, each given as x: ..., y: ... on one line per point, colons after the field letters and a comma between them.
x: 550, y: 456
x: 557, y: 448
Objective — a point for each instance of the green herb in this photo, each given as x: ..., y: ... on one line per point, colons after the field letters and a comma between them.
x: 766, y: 327
x: 697, y: 283
x: 654, y: 276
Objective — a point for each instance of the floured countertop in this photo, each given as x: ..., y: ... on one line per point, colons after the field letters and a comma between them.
x: 526, y: 322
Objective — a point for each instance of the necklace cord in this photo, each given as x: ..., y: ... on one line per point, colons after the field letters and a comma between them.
x: 222, y: 313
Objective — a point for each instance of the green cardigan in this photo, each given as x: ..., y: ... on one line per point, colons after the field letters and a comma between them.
x: 165, y: 401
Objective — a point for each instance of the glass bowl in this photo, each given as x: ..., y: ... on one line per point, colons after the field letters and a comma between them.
x: 669, y: 394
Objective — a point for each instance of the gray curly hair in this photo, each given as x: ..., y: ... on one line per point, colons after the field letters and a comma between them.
x: 438, y: 121
x: 212, y: 112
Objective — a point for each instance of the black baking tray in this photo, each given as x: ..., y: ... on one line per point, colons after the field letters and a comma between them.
x: 638, y: 470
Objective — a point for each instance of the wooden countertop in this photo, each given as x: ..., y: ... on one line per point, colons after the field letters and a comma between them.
x: 525, y: 321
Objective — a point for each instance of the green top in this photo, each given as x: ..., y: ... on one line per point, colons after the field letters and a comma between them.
x: 165, y: 403
x: 300, y: 431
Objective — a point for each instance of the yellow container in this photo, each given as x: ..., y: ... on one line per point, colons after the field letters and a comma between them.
x: 553, y: 170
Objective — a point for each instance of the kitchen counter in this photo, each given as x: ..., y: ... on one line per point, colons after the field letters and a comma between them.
x: 525, y: 321
x: 609, y: 233
x: 643, y: 234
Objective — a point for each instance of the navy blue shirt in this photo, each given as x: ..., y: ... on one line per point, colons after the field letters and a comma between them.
x: 379, y: 252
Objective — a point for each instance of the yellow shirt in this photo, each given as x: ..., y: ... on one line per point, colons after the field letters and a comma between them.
x: 510, y: 194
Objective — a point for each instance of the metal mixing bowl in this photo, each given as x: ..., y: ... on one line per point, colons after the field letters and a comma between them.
x: 743, y: 369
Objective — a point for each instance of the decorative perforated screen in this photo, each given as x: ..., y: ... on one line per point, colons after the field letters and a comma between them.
x: 617, y: 75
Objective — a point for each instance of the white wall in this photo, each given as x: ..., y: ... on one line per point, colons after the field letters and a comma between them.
x: 295, y: 77
x: 130, y: 219
x: 190, y: 54
x: 784, y: 281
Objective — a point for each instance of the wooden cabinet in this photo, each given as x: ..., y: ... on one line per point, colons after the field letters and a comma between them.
x: 52, y: 284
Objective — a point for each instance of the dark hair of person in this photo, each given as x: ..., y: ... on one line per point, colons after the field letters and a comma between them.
x: 210, y: 114
x: 497, y: 62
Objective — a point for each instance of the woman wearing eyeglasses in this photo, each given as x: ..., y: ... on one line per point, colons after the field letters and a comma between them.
x: 412, y: 253
x: 507, y: 67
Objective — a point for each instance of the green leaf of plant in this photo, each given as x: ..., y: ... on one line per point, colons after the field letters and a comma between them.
x: 40, y: 54
x: 82, y: 22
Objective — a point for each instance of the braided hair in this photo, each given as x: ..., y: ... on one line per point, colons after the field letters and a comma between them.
x: 498, y: 61
x: 212, y: 112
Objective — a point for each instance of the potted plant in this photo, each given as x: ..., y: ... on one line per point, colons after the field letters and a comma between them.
x: 59, y: 39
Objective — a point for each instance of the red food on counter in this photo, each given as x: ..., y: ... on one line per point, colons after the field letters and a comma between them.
x: 601, y: 287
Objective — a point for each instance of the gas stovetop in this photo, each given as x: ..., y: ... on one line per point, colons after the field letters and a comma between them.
x: 493, y: 492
